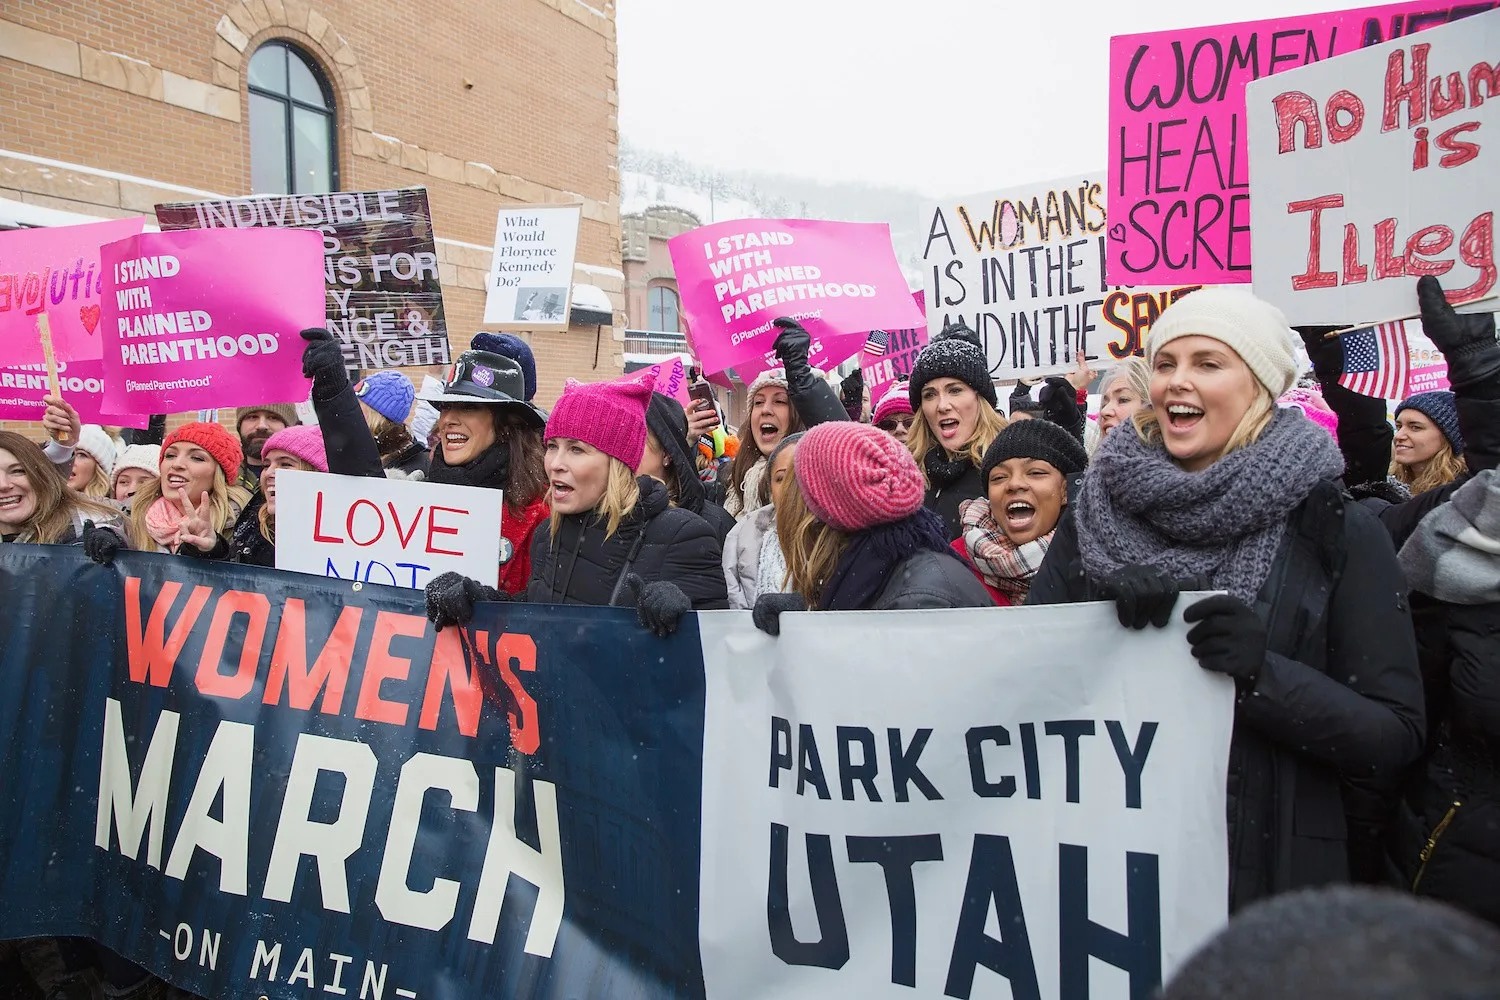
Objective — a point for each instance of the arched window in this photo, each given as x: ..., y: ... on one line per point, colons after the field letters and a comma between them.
x: 292, y: 124
x: 663, y: 301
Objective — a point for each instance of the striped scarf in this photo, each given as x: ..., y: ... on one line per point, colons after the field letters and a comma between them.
x: 1003, y: 564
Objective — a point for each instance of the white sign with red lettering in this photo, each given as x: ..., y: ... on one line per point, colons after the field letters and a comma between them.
x: 385, y: 531
x: 1374, y: 168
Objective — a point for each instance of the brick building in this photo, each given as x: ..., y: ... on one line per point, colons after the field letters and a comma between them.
x: 107, y: 110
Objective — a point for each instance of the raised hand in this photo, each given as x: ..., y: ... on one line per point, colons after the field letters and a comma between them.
x: 195, y: 525
x: 61, y: 420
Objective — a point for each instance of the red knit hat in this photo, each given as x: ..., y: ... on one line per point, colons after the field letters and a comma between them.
x: 611, y: 416
x: 222, y: 445
x: 854, y: 476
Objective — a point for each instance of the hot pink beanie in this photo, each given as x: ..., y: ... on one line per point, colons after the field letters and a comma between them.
x: 1313, y: 406
x: 302, y: 441
x: 896, y: 401
x: 854, y: 476
x: 611, y: 416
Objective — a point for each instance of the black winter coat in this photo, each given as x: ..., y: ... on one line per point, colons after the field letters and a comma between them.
x: 1451, y: 813
x: 412, y: 458
x: 1336, y: 715
x: 656, y: 540
x: 929, y: 579
x: 667, y: 420
x: 944, y: 501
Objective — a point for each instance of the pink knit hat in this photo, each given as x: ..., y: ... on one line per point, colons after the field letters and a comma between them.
x: 896, y: 401
x: 854, y: 476
x: 611, y: 416
x: 1313, y: 406
x: 303, y: 441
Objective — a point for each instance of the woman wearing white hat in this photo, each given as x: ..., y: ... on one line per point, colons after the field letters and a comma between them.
x: 93, y: 462
x: 1217, y: 488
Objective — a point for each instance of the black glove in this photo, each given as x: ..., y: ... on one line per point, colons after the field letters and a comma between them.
x: 100, y: 544
x: 852, y: 393
x: 1229, y: 637
x: 768, y: 608
x: 793, y: 345
x: 1141, y: 594
x: 323, y: 362
x: 1326, y: 353
x: 1060, y: 405
x: 660, y: 604
x: 1467, y: 342
x: 451, y: 598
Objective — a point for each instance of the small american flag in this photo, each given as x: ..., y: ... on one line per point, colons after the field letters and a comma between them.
x: 1376, y: 361
x: 877, y: 342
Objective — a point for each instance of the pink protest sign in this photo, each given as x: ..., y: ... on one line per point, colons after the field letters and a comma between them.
x: 671, y: 379
x: 836, y: 278
x: 82, y: 382
x: 1179, y: 177
x: 883, y: 365
x: 209, y: 317
x: 54, y: 269
x: 824, y: 355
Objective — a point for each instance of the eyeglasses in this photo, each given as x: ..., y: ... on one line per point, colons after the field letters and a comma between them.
x: 891, y: 423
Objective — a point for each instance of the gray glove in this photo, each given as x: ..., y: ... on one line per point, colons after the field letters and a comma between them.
x: 768, y: 608
x: 660, y: 605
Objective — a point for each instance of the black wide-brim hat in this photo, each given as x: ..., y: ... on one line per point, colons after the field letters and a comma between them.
x: 487, y: 379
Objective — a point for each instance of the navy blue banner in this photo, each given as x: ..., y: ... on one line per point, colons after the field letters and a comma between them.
x: 259, y: 783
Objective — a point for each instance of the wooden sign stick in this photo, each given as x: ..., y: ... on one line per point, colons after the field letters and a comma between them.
x: 44, y: 329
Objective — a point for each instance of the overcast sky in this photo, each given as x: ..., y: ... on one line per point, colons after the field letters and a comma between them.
x: 945, y: 96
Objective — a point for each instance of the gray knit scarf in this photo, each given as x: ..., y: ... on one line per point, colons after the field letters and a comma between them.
x: 1454, y: 555
x: 1223, y: 524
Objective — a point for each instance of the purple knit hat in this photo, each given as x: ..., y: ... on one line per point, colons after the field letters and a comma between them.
x: 611, y: 416
x: 303, y: 441
x: 855, y: 476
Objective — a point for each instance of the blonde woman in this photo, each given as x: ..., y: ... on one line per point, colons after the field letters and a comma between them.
x: 1218, y: 486
x: 1126, y: 391
x: 192, y: 508
x: 612, y: 539
x: 93, y: 462
x: 37, y: 507
x: 1428, y: 450
x: 954, y: 399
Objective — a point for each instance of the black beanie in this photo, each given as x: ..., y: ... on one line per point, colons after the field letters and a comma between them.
x: 954, y: 353
x: 1035, y: 439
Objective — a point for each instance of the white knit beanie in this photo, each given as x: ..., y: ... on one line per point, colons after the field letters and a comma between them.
x: 773, y: 376
x: 1255, y: 329
x: 93, y: 439
x: 145, y: 457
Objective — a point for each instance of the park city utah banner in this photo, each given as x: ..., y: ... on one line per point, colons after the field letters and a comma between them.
x: 1024, y: 269
x: 1179, y: 177
x: 1374, y: 169
x: 380, y: 265
x: 266, y: 784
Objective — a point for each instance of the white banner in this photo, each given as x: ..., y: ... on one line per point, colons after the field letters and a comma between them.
x: 531, y: 274
x: 1033, y: 806
x: 1371, y: 169
x: 387, y: 531
x: 1024, y: 268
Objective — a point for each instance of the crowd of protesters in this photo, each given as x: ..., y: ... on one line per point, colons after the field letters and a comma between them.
x: 1356, y: 561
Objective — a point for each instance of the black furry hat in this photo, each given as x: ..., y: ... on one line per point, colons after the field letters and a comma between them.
x: 955, y: 353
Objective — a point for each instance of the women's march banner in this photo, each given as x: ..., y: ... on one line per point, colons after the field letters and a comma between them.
x: 257, y: 783
x: 838, y: 279
x: 1179, y: 166
x: 209, y: 317
x: 55, y: 271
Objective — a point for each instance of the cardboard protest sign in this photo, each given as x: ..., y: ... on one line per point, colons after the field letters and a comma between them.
x: 54, y: 269
x: 1374, y: 169
x: 388, y: 531
x: 1024, y: 268
x: 891, y: 356
x: 839, y: 279
x: 531, y: 275
x: 1179, y: 171
x: 208, y: 318
x: 958, y: 804
x: 384, y: 302
x: 82, y: 383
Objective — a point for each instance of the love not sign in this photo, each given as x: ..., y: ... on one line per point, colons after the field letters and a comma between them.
x: 401, y: 534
